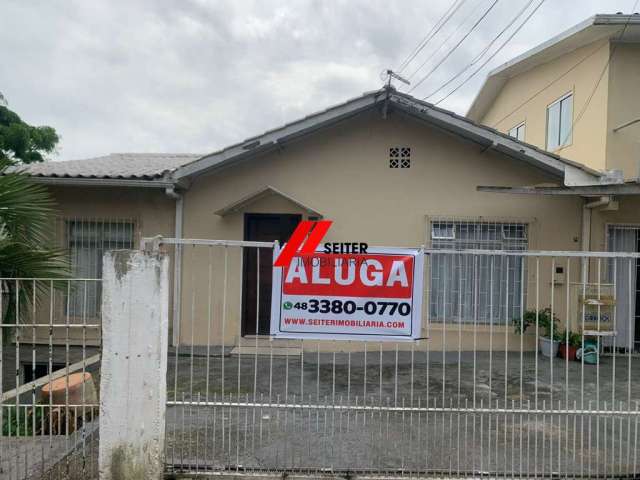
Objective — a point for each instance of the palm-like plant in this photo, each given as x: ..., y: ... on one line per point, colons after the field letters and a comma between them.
x: 26, y: 246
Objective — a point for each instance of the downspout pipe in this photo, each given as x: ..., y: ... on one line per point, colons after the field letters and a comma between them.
x: 177, y: 264
x: 587, y: 212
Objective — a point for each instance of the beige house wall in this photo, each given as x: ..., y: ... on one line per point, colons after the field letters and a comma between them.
x: 525, y: 98
x: 623, y: 146
x: 152, y: 213
x: 344, y: 173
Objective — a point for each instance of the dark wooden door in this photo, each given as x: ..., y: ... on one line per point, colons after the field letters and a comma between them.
x: 261, y: 227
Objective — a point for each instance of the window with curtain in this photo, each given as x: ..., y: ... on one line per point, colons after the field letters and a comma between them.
x: 87, y: 240
x: 624, y: 274
x: 476, y: 288
x: 559, y: 122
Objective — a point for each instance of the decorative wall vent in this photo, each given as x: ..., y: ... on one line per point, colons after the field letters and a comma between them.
x: 400, y: 157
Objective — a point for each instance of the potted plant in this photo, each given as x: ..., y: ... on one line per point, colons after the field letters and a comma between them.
x: 549, y: 333
x: 569, y: 344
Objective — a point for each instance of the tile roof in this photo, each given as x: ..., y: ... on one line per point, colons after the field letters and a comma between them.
x: 139, y: 166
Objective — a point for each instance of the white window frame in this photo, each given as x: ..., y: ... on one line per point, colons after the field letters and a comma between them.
x: 515, y: 129
x: 570, y: 137
x: 443, y: 237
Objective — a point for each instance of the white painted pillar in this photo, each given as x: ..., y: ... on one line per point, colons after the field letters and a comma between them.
x: 135, y: 313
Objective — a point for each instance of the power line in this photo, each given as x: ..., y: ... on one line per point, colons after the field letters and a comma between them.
x: 432, y: 33
x: 560, y: 77
x: 455, y: 47
x: 492, y: 56
x: 446, y: 40
x: 595, y: 88
x: 483, y: 52
x: 552, y: 82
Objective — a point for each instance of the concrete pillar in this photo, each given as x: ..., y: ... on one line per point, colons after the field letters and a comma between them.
x: 135, y: 314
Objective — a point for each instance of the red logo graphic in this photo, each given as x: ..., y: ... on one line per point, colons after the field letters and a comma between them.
x: 315, y: 231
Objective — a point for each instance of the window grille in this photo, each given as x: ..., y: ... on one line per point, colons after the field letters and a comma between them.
x: 400, y: 157
x: 87, y: 240
x: 480, y: 289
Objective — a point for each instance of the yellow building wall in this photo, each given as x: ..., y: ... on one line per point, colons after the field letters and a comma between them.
x: 525, y: 98
x: 623, y: 146
x: 151, y: 212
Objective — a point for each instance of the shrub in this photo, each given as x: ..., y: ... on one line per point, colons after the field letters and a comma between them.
x: 545, y: 321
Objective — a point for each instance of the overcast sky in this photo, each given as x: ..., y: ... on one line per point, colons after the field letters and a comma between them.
x: 196, y: 75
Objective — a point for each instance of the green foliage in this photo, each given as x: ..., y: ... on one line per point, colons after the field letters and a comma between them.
x: 543, y: 318
x: 21, y: 142
x: 574, y: 339
x: 20, y: 422
x: 26, y: 251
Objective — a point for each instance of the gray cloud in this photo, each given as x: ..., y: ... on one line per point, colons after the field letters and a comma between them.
x: 196, y: 75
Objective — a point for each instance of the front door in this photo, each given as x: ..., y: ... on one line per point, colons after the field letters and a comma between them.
x: 261, y: 227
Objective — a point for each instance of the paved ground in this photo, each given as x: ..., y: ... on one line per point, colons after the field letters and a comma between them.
x: 540, y: 425
x: 526, y: 435
x: 55, y: 457
x: 43, y: 456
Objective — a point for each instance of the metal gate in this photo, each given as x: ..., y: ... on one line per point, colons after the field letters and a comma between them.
x: 50, y: 332
x: 483, y: 394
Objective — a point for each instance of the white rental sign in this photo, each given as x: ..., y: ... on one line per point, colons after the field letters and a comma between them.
x: 371, y: 297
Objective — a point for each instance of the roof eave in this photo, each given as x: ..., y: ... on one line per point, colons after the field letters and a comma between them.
x: 276, y: 138
x: 570, y: 173
x: 561, y: 168
x: 495, y: 78
x: 584, y: 191
x: 103, y: 182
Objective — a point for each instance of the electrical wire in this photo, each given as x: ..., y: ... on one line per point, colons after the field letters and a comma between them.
x: 492, y: 56
x: 451, y: 11
x: 455, y: 47
x: 555, y: 80
x: 446, y: 40
x: 595, y: 87
x: 482, y: 52
x: 552, y: 82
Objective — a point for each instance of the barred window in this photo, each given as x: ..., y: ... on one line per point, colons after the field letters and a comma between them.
x: 482, y: 288
x: 87, y: 240
x: 400, y: 157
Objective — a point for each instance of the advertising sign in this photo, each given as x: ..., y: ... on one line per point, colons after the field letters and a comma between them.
x: 369, y: 296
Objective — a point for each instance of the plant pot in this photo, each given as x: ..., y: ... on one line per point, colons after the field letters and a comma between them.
x: 567, y: 351
x: 548, y: 347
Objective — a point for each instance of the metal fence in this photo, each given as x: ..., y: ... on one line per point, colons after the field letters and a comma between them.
x: 49, y: 378
x: 475, y: 397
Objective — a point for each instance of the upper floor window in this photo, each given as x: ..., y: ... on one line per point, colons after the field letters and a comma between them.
x: 559, y: 122
x: 517, y: 132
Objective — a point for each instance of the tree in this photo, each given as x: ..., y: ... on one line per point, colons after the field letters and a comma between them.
x: 26, y: 249
x: 21, y: 142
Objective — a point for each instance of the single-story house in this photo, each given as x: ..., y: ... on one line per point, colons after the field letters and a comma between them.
x: 386, y: 168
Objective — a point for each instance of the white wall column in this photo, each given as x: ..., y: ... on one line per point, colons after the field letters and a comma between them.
x: 135, y: 314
